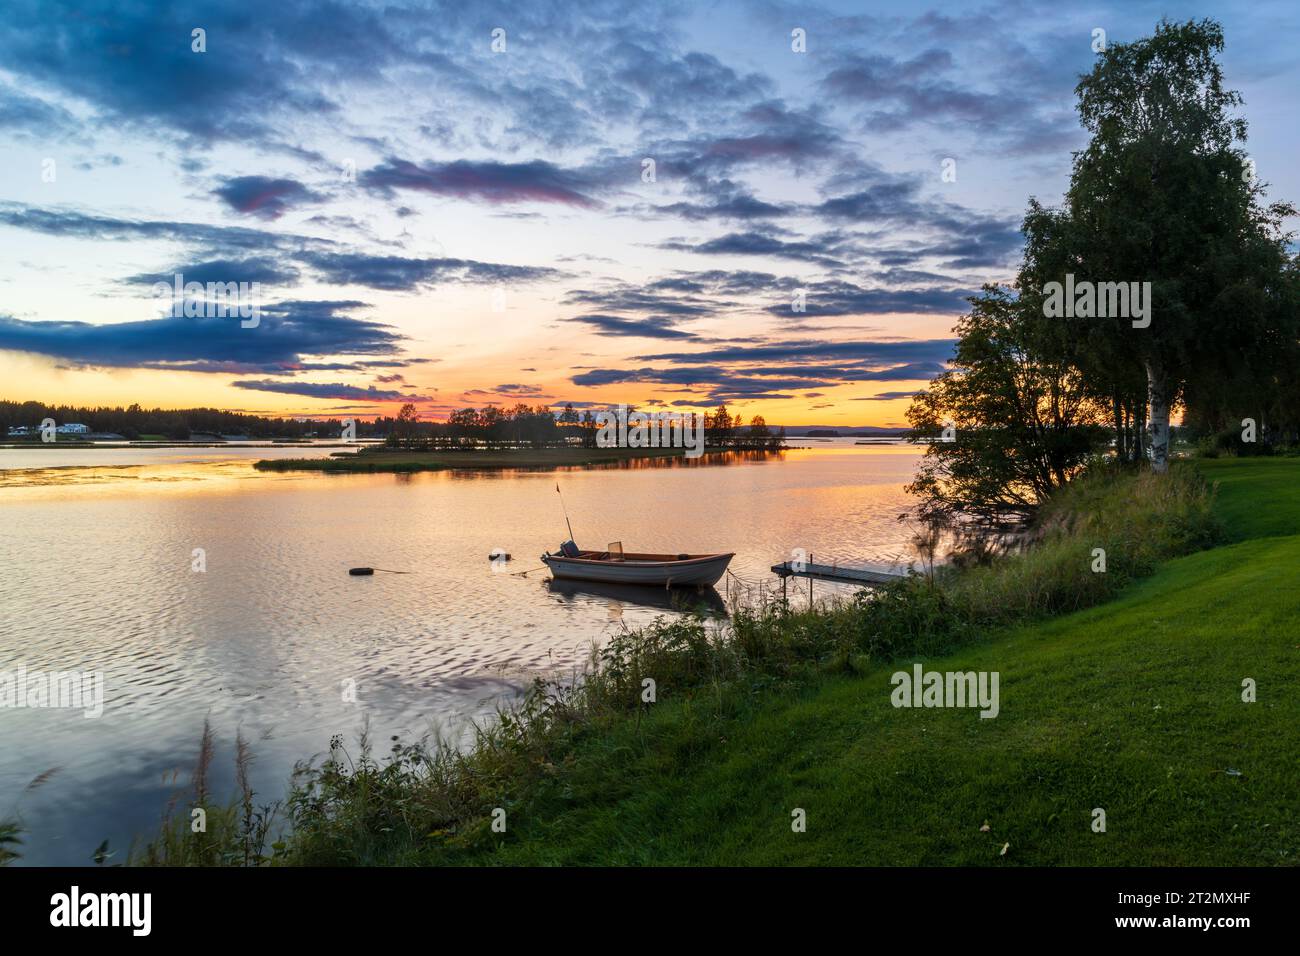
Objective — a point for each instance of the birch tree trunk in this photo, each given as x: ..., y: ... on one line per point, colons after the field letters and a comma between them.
x: 1120, y: 452
x: 1158, y: 417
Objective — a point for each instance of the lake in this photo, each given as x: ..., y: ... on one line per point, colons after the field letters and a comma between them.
x: 97, y: 573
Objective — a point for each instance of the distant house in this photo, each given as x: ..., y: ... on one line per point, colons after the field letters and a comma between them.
x: 20, y: 431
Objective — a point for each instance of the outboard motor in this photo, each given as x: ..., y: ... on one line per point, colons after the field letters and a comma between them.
x: 570, y: 550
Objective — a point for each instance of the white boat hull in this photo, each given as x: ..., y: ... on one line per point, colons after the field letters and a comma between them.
x: 698, y: 570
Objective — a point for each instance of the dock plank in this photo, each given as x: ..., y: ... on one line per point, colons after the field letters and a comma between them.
x: 835, y: 573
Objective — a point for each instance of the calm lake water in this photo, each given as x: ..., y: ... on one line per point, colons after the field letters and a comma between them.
x: 96, y: 574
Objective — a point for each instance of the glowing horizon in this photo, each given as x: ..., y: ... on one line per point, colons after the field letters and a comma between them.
x: 779, y: 209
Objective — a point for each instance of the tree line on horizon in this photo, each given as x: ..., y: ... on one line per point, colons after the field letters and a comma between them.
x: 1162, y: 203
x: 178, y: 424
x: 541, y: 427
x: 492, y: 425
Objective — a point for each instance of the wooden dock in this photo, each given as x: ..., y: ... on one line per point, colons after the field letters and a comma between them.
x: 834, y: 573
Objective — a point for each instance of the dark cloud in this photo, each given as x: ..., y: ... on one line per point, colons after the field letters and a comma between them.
x: 334, y: 390
x: 286, y: 332
x: 219, y: 241
x: 20, y: 113
x: 261, y: 269
x: 887, y: 396
x: 757, y: 243
x: 650, y: 328
x: 833, y: 298
x: 896, y: 94
x: 516, y: 391
x: 537, y: 181
x: 135, y: 63
x: 768, y: 371
x: 263, y: 196
x: 881, y: 353
x: 682, y: 296
x: 397, y: 273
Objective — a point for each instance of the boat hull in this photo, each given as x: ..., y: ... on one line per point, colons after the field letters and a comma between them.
x: 700, y: 570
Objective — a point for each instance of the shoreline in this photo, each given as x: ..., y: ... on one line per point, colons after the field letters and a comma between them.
x: 544, y: 459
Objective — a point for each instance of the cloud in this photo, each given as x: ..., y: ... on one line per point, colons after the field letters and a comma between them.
x: 286, y: 333
x: 262, y: 269
x: 333, y: 390
x: 651, y: 328
x: 879, y: 352
x: 20, y: 113
x: 759, y: 243
x: 895, y: 94
x: 485, y: 181
x: 887, y: 396
x: 845, y: 298
x: 770, y: 371
x: 263, y: 196
x: 397, y: 273
x: 220, y: 240
x: 135, y: 64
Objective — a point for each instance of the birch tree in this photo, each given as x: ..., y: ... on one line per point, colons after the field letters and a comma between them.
x: 1164, y: 193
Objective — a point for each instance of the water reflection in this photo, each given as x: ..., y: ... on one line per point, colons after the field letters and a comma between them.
x: 96, y: 573
x: 706, y: 601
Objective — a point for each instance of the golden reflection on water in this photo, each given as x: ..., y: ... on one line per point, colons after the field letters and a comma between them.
x: 99, y: 576
x: 219, y: 475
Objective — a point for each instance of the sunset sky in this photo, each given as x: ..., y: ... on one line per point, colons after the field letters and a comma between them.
x: 430, y: 220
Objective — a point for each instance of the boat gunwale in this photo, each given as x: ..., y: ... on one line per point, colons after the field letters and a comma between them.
x: 638, y: 559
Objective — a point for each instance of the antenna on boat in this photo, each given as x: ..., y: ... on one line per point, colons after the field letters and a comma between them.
x: 565, y: 510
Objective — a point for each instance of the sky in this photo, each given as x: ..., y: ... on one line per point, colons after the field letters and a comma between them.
x: 776, y: 206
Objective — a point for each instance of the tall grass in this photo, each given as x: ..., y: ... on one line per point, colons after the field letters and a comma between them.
x: 237, y: 833
x: 426, y: 802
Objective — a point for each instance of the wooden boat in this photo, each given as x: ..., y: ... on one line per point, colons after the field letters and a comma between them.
x: 616, y: 566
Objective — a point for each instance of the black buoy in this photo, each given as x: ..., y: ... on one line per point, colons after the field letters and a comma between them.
x: 499, y: 555
x: 360, y: 572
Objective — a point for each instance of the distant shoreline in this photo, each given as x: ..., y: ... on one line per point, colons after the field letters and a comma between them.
x: 491, y: 459
x: 136, y: 443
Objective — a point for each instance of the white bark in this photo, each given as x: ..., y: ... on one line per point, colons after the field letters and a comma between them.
x: 1157, y: 418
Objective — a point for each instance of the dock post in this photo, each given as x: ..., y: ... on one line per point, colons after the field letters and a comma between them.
x: 810, y: 580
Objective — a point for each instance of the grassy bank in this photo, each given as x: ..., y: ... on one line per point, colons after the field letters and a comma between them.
x: 386, y: 460
x: 1132, y: 705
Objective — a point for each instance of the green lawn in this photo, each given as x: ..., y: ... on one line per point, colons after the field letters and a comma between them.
x: 1258, y: 497
x: 1134, y: 707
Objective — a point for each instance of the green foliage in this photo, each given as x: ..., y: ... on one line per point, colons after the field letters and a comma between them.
x: 1010, y: 423
x: 176, y: 423
x: 9, y: 841
x: 237, y: 833
x: 1163, y: 193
